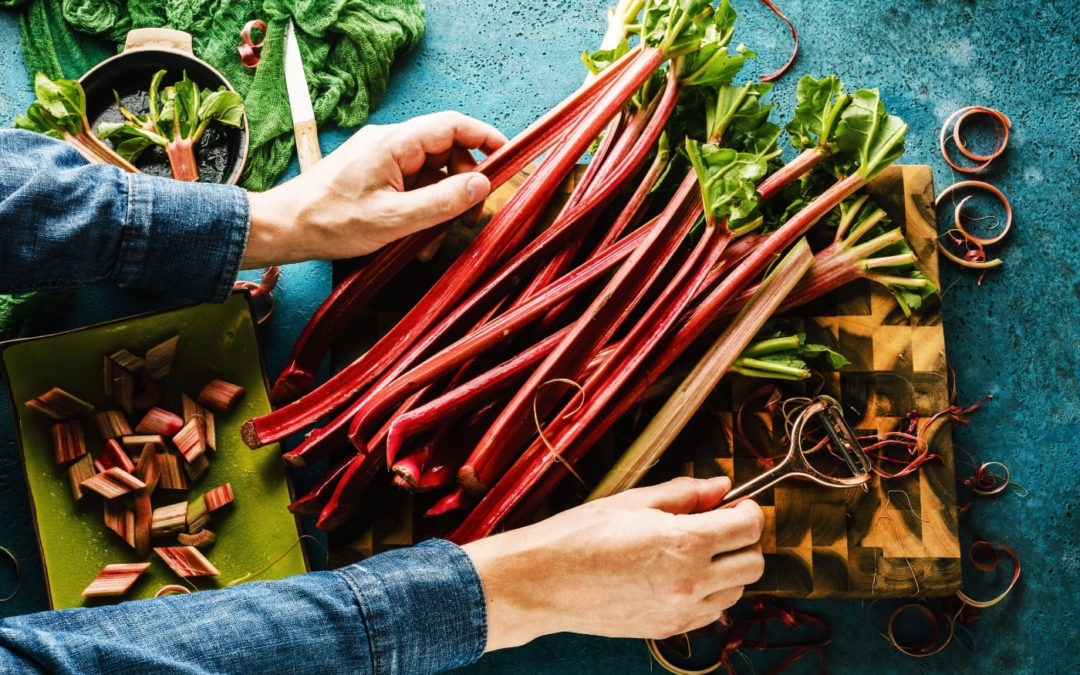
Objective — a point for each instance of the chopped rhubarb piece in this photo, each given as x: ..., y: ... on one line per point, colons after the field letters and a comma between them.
x: 140, y: 440
x: 144, y: 516
x: 172, y: 477
x: 187, y: 561
x: 198, y: 515
x: 220, y: 395
x: 218, y: 497
x: 197, y: 468
x: 112, y: 483
x: 121, y: 520
x: 68, y: 441
x: 203, y: 539
x: 167, y: 520
x: 193, y: 410
x: 114, y: 456
x: 112, y: 424
x: 121, y: 371
x: 159, y: 421
x: 78, y: 472
x: 159, y: 359
x: 147, y: 469
x: 115, y: 579
x: 59, y: 405
x: 150, y: 394
x: 190, y: 441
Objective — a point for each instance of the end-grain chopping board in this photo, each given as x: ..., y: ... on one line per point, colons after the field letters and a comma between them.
x: 899, y: 538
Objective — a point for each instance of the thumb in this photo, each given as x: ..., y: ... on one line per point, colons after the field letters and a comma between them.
x: 682, y: 495
x: 430, y: 205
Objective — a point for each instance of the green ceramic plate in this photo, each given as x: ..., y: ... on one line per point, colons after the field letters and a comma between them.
x: 216, y: 341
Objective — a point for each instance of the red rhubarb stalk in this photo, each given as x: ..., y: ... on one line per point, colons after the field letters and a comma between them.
x: 596, y: 326
x: 468, y: 396
x: 352, y: 293
x: 369, y: 409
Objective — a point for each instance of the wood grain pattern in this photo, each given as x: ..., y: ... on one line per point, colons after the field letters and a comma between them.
x: 897, y: 539
x: 900, y: 537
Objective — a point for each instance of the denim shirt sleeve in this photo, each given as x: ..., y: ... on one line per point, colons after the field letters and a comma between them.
x: 65, y: 222
x: 414, y: 610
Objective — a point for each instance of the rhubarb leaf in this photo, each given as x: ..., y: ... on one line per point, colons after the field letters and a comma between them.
x: 713, y: 65
x: 224, y: 106
x: 872, y: 137
x: 58, y: 111
x: 129, y: 141
x: 736, y: 110
x: 727, y: 179
x: 762, y: 143
x: 602, y: 58
x: 38, y: 119
x: 64, y: 100
x: 186, y: 101
x: 819, y: 104
x: 835, y: 359
x: 676, y: 26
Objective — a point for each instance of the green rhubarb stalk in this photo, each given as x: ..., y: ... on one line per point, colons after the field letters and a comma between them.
x: 784, y: 357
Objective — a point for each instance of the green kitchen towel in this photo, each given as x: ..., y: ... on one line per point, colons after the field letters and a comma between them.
x: 347, y: 47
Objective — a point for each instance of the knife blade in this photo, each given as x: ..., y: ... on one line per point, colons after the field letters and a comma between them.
x: 303, y: 116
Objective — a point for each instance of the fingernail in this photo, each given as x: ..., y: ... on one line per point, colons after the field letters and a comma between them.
x: 477, y: 188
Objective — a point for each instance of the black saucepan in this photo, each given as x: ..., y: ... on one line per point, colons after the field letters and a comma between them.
x: 222, y: 151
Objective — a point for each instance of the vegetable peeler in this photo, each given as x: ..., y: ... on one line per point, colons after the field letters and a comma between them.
x: 825, y: 410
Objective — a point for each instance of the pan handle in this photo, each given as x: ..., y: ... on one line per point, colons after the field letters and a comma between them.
x: 159, y: 38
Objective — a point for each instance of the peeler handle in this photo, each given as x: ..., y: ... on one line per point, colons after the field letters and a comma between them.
x: 757, y: 485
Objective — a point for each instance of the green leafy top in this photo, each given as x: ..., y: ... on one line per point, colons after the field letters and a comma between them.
x: 869, y: 134
x: 676, y: 26
x: 734, y: 110
x: 819, y: 104
x: 727, y: 179
x: 603, y: 58
x: 59, y: 110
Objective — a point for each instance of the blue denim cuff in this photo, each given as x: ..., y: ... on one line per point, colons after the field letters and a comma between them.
x: 423, y: 607
x: 182, y: 238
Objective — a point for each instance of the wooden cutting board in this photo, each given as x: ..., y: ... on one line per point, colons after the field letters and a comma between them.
x: 897, y: 539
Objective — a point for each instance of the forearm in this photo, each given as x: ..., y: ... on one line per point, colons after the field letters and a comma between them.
x: 417, y: 610
x: 69, y: 223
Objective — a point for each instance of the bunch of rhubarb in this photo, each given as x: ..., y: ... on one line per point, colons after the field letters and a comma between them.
x: 682, y: 238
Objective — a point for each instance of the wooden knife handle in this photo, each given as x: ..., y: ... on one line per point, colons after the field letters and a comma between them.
x: 307, y: 144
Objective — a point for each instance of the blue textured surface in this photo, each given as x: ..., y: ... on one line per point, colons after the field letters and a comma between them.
x: 1016, y: 336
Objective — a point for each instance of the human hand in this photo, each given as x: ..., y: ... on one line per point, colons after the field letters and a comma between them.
x: 385, y: 182
x: 650, y: 562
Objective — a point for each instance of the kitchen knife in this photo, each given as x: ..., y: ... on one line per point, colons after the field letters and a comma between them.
x: 303, y: 116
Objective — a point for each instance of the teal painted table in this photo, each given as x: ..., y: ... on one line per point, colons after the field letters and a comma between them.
x: 1017, y: 336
